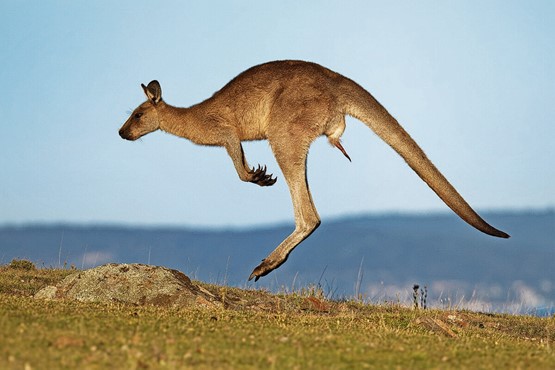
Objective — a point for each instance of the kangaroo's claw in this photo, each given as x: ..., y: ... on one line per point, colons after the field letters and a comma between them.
x: 260, y: 177
x: 260, y: 271
x: 268, y: 265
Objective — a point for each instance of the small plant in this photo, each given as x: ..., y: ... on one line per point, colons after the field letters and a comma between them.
x: 22, y: 265
x: 423, y: 296
x: 415, y: 295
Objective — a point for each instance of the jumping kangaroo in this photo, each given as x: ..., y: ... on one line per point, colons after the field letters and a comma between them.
x: 289, y: 103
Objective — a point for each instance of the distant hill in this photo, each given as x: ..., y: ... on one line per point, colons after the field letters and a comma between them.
x: 378, y: 257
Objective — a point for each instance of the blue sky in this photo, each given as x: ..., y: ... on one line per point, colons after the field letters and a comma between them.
x: 471, y: 81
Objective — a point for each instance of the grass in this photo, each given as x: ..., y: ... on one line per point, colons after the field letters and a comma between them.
x: 293, y: 331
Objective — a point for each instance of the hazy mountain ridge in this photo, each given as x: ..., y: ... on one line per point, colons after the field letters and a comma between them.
x: 395, y: 251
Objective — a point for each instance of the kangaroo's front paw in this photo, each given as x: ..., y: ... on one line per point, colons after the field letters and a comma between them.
x: 268, y: 265
x: 260, y: 177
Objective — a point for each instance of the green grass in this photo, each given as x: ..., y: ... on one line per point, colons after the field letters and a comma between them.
x: 264, y: 331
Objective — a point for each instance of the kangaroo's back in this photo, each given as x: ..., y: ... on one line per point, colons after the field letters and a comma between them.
x: 270, y: 77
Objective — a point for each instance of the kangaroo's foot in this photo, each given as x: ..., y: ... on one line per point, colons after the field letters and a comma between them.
x: 268, y: 265
x: 281, y: 253
x: 259, y: 176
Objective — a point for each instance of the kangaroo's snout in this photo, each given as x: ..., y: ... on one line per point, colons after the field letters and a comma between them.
x: 125, y: 133
x: 122, y: 134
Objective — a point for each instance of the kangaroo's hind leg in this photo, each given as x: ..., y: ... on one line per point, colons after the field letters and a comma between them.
x: 292, y: 162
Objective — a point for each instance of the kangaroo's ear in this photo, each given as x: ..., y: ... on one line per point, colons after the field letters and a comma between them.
x: 153, y: 91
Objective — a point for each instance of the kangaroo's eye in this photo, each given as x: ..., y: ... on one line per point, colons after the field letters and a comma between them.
x: 137, y: 115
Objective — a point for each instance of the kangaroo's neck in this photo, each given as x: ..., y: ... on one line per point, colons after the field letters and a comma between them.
x: 176, y: 121
x: 190, y: 123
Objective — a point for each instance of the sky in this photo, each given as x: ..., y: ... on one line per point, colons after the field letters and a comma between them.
x: 471, y: 81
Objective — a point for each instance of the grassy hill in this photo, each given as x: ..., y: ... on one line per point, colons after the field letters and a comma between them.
x: 301, y: 330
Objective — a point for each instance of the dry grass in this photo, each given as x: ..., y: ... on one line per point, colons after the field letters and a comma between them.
x: 262, y: 330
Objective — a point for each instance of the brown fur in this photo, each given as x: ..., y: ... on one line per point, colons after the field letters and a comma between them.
x: 289, y: 103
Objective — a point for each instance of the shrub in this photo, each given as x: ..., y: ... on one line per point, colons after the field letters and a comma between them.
x: 22, y: 265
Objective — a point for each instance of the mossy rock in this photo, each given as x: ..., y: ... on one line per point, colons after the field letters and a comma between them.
x: 135, y: 284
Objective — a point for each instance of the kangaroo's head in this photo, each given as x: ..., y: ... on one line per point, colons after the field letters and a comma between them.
x: 144, y: 118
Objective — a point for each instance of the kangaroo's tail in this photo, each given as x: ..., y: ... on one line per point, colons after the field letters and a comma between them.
x: 361, y: 104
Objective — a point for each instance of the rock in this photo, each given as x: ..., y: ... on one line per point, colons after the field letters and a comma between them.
x: 135, y: 284
x: 48, y: 292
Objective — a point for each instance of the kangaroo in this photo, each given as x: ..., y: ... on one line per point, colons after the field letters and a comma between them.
x: 289, y: 103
